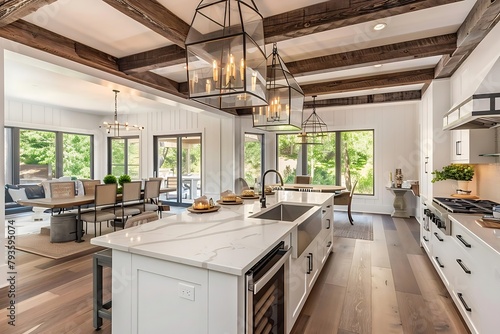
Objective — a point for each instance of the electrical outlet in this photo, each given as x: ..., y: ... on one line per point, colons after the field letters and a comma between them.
x: 186, y: 291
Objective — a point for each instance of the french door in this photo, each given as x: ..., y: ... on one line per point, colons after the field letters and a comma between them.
x: 178, y: 163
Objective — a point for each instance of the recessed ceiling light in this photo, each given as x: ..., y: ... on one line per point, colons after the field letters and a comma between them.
x: 379, y: 26
x: 377, y: 65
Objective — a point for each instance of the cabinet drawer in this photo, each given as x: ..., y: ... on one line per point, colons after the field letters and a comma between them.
x: 467, y: 241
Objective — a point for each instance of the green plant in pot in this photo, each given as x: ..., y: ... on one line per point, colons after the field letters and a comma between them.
x: 461, y: 173
x: 109, y: 179
x: 121, y: 180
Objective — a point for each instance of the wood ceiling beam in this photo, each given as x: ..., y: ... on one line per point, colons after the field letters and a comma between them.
x: 31, y: 35
x: 155, y: 16
x: 412, y: 95
x: 481, y: 19
x: 150, y: 60
x: 13, y: 10
x: 337, y: 13
x: 370, y: 82
x: 425, y: 47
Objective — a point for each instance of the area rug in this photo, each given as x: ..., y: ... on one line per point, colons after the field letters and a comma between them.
x: 362, y: 228
x: 40, y: 244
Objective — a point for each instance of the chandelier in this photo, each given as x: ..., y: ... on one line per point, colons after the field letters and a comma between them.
x: 286, y: 99
x: 115, y: 126
x: 225, y: 55
x: 313, y: 128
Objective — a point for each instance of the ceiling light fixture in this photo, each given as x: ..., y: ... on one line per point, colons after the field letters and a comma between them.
x: 377, y: 65
x: 379, y: 26
x: 313, y: 128
x: 225, y: 55
x: 286, y: 99
x: 115, y: 125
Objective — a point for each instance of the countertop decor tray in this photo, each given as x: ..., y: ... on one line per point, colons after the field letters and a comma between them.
x: 250, y: 197
x: 212, y: 209
x: 465, y: 196
x: 236, y: 202
x: 488, y: 223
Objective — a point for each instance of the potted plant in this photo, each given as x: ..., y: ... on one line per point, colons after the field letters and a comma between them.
x: 109, y: 179
x: 462, y: 173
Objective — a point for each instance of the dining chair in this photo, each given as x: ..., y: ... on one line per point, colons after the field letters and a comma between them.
x: 131, y: 193
x: 89, y: 186
x: 62, y: 190
x: 302, y: 179
x: 104, y: 194
x: 345, y: 198
x: 151, y: 196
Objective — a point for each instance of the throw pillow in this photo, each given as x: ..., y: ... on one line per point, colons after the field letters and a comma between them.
x: 18, y: 194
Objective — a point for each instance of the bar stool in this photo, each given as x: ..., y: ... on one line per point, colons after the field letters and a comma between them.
x: 101, y: 309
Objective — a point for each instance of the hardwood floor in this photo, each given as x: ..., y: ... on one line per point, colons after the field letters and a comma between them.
x: 386, y: 286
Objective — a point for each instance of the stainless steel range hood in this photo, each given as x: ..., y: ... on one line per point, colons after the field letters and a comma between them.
x: 480, y: 111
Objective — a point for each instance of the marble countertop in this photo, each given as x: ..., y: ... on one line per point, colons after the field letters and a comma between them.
x: 489, y: 236
x: 226, y: 240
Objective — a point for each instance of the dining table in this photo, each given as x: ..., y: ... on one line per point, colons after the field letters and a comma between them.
x: 325, y: 188
x: 71, y: 202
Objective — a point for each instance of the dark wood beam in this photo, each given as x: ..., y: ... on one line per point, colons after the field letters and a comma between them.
x: 337, y: 13
x: 425, y: 47
x: 45, y: 40
x: 149, y: 60
x: 13, y: 10
x: 155, y: 16
x: 377, y: 81
x: 481, y: 19
x: 412, y: 95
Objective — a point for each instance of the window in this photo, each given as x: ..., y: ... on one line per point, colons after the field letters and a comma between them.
x: 124, y: 157
x: 34, y: 155
x: 77, y: 155
x: 253, y: 154
x: 344, y: 155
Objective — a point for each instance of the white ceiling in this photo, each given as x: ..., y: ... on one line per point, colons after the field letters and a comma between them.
x: 96, y: 24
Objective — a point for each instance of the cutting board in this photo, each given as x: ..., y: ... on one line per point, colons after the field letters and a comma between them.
x: 488, y: 223
x: 464, y: 196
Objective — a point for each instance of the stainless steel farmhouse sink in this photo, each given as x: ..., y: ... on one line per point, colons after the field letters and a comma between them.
x: 283, y: 211
x: 307, y: 217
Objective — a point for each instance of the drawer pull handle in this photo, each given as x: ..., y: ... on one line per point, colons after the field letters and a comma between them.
x: 467, y: 308
x: 310, y: 263
x: 425, y: 238
x: 438, y: 237
x: 328, y: 244
x: 439, y: 263
x: 328, y: 206
x: 467, y: 271
x: 329, y: 224
x: 466, y: 244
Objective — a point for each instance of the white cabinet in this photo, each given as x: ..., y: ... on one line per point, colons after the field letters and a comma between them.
x: 305, y: 269
x: 467, y: 145
x: 470, y: 270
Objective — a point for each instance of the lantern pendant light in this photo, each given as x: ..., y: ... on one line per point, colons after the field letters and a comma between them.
x: 225, y: 55
x: 314, y: 129
x: 285, y: 97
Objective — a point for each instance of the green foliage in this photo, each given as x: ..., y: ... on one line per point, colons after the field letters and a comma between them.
x: 109, y: 179
x: 124, y: 179
x: 454, y: 172
x: 356, y: 152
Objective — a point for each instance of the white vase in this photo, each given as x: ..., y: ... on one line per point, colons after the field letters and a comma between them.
x: 463, y: 185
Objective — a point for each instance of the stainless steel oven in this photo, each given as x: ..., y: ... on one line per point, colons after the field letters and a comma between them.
x: 265, y: 295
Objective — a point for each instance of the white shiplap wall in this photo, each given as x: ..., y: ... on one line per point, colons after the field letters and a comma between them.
x: 396, y: 145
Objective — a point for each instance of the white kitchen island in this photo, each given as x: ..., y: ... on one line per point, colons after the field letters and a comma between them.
x: 185, y: 273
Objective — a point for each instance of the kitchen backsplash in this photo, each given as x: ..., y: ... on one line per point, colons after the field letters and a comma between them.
x: 488, y: 181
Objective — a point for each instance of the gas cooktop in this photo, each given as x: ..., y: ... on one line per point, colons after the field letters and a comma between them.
x: 459, y: 205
